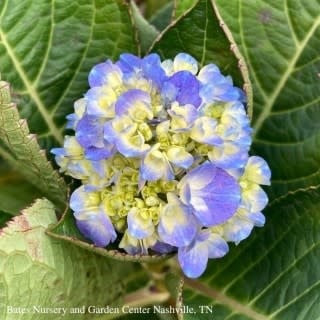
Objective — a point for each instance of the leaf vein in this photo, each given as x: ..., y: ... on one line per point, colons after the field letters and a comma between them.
x: 265, y: 254
x: 290, y: 24
x: 272, y: 99
x: 226, y: 300
x: 244, y: 47
x: 33, y: 93
x: 85, y: 51
x: 49, y: 46
x: 280, y: 275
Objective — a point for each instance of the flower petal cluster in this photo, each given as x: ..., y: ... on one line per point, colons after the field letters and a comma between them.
x: 161, y: 150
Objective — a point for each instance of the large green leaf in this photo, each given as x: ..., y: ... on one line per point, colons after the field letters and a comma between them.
x: 163, y: 17
x: 66, y: 230
x: 146, y: 32
x: 47, y: 49
x: 36, y: 270
x: 201, y: 32
x: 15, y: 192
x: 273, y: 275
x: 182, y: 6
x: 4, y: 218
x: 280, y: 40
x: 21, y: 150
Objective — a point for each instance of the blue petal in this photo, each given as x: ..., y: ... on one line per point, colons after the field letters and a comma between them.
x: 58, y: 151
x: 132, y: 146
x: 216, y: 87
x: 72, y: 121
x: 122, y: 132
x: 129, y: 63
x: 187, y: 88
x: 204, y: 130
x: 134, y: 101
x: 255, y: 199
x: 214, y: 199
x: 257, y: 171
x: 163, y: 247
x: 257, y: 218
x: 97, y: 227
x: 79, y: 109
x: 183, y: 117
x: 229, y: 155
x: 93, y: 153
x: 221, y: 92
x: 151, y: 67
x: 100, y: 102
x: 193, y: 259
x: 177, y: 226
x: 89, y: 132
x: 138, y: 226
x: 210, y: 73
x: 217, y: 246
x: 80, y: 200
x: 237, y: 229
x: 184, y: 61
x: 105, y: 73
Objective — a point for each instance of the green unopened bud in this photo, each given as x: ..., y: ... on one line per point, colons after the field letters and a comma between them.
x: 152, y: 201
x: 145, y: 131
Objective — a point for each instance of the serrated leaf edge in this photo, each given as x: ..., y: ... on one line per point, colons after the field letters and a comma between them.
x: 55, y: 192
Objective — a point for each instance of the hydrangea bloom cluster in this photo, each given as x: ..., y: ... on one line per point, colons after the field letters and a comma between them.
x: 161, y: 149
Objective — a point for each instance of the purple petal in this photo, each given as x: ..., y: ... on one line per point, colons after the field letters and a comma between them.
x: 93, y: 153
x: 152, y: 70
x: 213, y: 194
x: 163, y: 247
x: 187, y: 88
x: 89, y: 132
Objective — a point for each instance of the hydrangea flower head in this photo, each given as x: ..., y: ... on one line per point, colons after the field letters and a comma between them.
x: 161, y: 149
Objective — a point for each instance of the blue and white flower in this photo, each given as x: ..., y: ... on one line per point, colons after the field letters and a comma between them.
x: 162, y: 153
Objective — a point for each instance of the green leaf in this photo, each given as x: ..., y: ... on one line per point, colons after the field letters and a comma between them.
x: 36, y: 270
x: 152, y: 7
x: 47, y: 49
x: 4, y: 218
x: 66, y: 230
x: 182, y: 6
x: 15, y: 192
x: 201, y: 32
x: 147, y: 33
x: 21, y: 150
x: 280, y: 41
x: 163, y: 17
x: 273, y: 275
